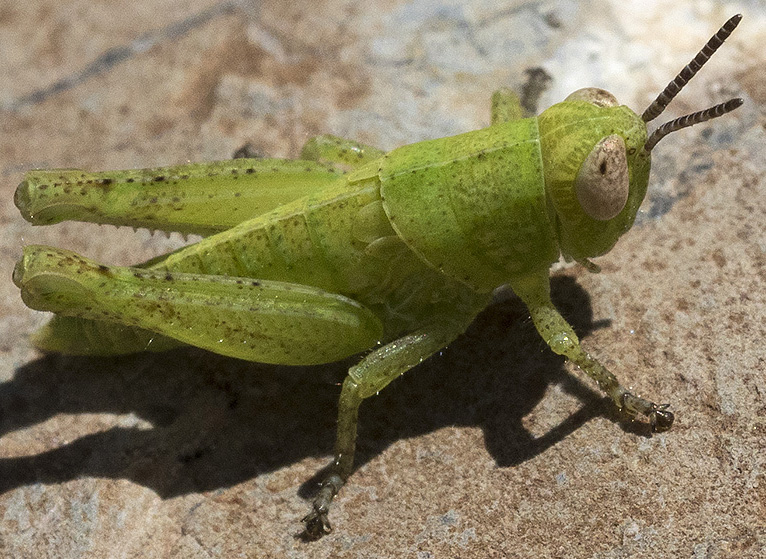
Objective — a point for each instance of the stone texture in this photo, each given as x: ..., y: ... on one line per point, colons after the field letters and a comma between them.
x: 495, y: 448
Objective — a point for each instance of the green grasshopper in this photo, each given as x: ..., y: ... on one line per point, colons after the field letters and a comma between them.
x: 352, y: 250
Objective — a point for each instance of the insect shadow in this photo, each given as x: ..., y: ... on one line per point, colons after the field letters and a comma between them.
x: 215, y: 422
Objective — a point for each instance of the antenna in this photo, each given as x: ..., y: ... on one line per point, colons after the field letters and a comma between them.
x: 690, y: 120
x: 683, y: 77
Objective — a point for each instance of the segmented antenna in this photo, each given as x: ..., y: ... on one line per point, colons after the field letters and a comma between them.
x: 672, y: 89
x: 690, y: 120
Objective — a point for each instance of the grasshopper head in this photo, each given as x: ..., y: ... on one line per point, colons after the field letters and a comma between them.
x: 596, y: 157
x: 596, y: 170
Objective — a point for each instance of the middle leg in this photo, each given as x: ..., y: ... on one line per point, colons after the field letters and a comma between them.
x: 366, y: 379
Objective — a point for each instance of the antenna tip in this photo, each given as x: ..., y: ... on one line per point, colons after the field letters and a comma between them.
x: 732, y: 23
x: 727, y: 107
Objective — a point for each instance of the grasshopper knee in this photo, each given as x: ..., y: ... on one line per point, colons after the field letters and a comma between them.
x: 339, y: 151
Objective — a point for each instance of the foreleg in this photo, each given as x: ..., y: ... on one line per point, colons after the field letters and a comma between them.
x: 558, y: 334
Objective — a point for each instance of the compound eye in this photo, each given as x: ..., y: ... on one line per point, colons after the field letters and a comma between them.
x: 602, y: 184
x: 597, y: 96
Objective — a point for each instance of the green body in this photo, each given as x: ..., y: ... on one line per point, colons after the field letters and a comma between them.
x: 427, y: 228
x: 311, y: 261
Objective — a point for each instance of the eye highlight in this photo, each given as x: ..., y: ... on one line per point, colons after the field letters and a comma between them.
x: 602, y: 184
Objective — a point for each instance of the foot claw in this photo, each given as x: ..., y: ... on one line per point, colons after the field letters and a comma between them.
x: 317, y: 524
x: 660, y: 418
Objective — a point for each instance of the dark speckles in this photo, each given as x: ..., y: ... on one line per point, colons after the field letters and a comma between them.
x: 131, y: 179
x: 168, y: 276
x: 255, y: 283
x: 655, y: 265
x: 159, y: 178
x: 249, y: 170
x: 719, y: 258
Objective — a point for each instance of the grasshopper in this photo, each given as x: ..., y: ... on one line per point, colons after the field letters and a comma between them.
x: 351, y: 250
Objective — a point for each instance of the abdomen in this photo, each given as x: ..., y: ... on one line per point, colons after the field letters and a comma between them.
x: 339, y: 240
